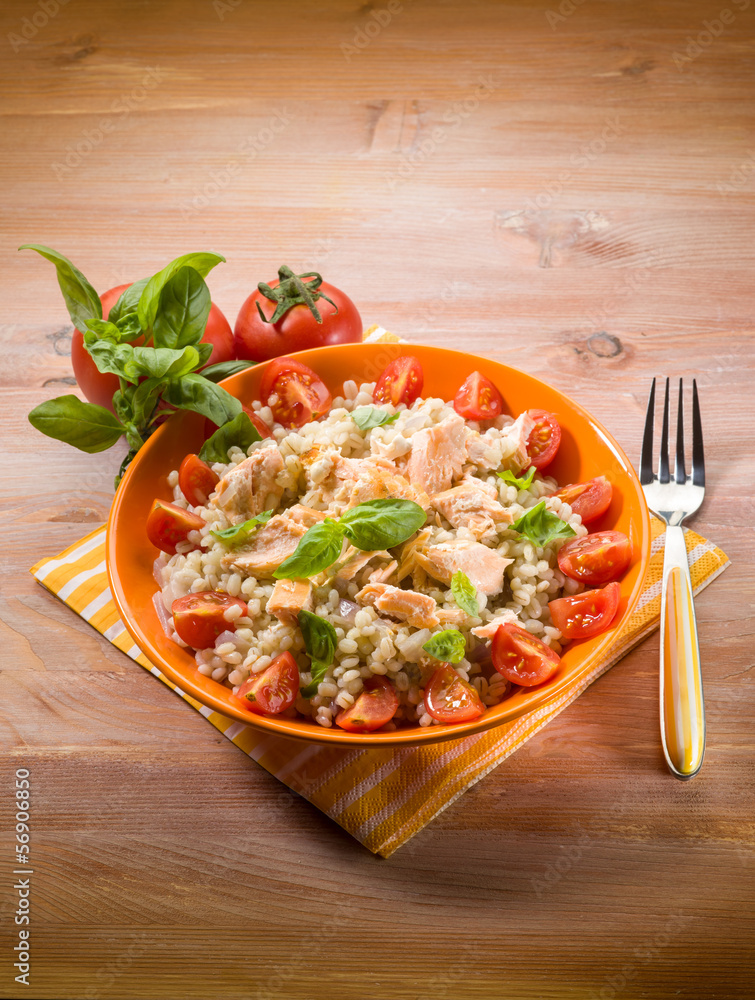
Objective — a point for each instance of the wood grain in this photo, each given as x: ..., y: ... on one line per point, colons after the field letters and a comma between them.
x: 572, y: 193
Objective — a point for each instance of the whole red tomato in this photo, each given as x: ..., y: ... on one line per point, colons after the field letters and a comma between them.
x: 291, y: 322
x: 98, y: 387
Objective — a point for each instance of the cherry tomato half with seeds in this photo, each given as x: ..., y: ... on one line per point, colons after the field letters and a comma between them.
x: 586, y: 614
x: 197, y: 480
x: 478, y: 399
x: 544, y: 439
x: 596, y: 558
x: 274, y: 689
x: 450, y: 699
x: 375, y: 706
x: 99, y: 387
x: 301, y: 395
x: 200, y: 618
x: 590, y: 499
x: 400, y: 382
x: 168, y: 524
x: 522, y: 658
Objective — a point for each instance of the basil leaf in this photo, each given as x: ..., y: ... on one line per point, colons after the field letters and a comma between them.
x: 129, y: 326
x: 162, y: 362
x: 465, y: 593
x: 240, y: 431
x: 367, y: 417
x: 542, y: 526
x: 449, y: 646
x: 109, y: 357
x: 193, y: 392
x: 521, y: 484
x: 128, y: 302
x: 240, y: 532
x: 216, y: 373
x: 182, y: 311
x: 87, y: 427
x: 144, y: 399
x: 81, y: 300
x: 381, y: 524
x: 103, y: 329
x: 204, y: 351
x: 320, y: 642
x: 318, y: 548
x: 149, y: 300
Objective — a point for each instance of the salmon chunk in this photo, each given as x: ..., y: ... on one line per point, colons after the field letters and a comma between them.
x: 305, y: 515
x: 376, y: 482
x: 288, y: 598
x: 327, y: 472
x: 483, y: 565
x: 467, y: 506
x: 251, y: 487
x: 419, y: 610
x: 507, y: 447
x: 357, y: 560
x: 489, y: 629
x: 266, y: 550
x: 438, y: 454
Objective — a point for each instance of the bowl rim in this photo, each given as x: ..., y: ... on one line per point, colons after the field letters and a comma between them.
x: 414, y: 735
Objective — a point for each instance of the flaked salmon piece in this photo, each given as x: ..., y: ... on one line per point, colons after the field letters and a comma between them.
x: 483, y: 565
x: 376, y: 482
x: 384, y: 573
x: 251, y: 487
x: 407, y: 561
x: 266, y: 550
x: 466, y: 506
x: 288, y: 598
x: 418, y: 610
x: 304, y: 515
x: 452, y: 616
x: 480, y: 484
x: 489, y: 629
x: 438, y: 454
x: 355, y: 560
x: 506, y: 448
x: 326, y: 472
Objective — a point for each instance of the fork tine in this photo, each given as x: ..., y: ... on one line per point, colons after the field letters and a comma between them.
x: 679, y: 474
x: 646, y: 458
x: 698, y: 458
x: 663, y: 473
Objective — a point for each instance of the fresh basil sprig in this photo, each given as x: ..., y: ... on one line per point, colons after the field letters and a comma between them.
x: 367, y: 417
x: 465, y: 593
x: 239, y: 431
x: 542, y: 526
x: 376, y: 524
x: 224, y: 369
x: 318, y: 547
x: 167, y: 315
x: 320, y: 642
x: 239, y: 533
x: 449, y: 646
x: 521, y: 484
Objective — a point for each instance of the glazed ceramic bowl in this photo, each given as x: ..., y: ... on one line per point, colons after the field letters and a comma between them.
x: 587, y: 450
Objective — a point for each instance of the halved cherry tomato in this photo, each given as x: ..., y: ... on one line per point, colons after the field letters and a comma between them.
x: 478, y: 399
x: 522, y: 658
x: 595, y: 558
x: 586, y: 614
x: 301, y: 393
x: 197, y: 480
x: 401, y: 382
x: 272, y: 691
x: 200, y: 618
x: 449, y: 698
x: 375, y: 706
x: 590, y: 499
x: 259, y: 423
x: 544, y: 439
x: 168, y: 524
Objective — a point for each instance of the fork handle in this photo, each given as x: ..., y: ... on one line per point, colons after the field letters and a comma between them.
x: 682, y: 705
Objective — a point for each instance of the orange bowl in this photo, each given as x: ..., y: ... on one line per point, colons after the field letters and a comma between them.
x: 587, y: 450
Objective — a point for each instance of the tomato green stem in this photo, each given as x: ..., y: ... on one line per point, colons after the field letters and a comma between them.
x: 293, y: 290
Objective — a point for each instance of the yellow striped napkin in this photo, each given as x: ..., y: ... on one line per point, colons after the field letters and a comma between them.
x: 381, y: 797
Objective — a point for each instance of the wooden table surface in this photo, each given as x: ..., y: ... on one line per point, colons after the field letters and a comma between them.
x: 567, y: 187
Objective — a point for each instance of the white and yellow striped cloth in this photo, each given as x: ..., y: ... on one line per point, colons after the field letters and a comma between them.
x: 381, y: 797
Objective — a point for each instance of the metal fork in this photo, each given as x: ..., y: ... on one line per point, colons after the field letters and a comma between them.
x: 673, y: 500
